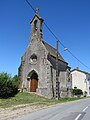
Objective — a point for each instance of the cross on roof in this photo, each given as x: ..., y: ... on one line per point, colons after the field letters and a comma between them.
x: 37, y: 9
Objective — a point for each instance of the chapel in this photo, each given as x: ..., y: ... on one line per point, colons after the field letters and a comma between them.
x: 37, y: 71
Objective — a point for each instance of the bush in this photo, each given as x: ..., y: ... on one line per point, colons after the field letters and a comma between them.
x: 77, y: 92
x: 8, y: 85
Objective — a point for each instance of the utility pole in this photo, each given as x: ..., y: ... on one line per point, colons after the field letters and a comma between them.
x: 57, y: 82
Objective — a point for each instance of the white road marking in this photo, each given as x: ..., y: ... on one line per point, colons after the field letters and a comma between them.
x: 85, y: 109
x: 78, y: 117
x: 81, y: 114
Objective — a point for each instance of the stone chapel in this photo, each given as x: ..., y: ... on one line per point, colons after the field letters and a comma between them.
x: 37, y: 72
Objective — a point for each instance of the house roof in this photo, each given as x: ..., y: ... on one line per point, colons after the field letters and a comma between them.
x: 52, y: 51
x: 80, y: 71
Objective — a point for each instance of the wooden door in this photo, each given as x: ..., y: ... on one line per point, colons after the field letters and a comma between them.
x: 33, y: 85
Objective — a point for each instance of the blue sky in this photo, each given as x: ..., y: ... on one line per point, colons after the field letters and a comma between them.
x: 68, y: 19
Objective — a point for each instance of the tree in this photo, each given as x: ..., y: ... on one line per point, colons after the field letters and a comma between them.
x: 15, y: 84
x: 8, y: 85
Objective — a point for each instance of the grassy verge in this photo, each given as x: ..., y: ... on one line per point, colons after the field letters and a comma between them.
x: 27, y: 98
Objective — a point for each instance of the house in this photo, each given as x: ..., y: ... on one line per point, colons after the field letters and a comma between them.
x: 37, y: 72
x: 81, y: 80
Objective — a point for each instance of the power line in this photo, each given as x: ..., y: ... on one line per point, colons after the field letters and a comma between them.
x: 57, y: 38
x: 78, y: 59
x: 53, y: 34
x: 30, y: 5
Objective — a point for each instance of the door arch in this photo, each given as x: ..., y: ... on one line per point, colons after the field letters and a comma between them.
x: 33, y: 81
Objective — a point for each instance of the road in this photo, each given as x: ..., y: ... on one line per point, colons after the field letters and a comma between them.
x: 76, y: 110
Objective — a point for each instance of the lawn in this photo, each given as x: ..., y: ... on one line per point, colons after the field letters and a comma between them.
x: 31, y: 98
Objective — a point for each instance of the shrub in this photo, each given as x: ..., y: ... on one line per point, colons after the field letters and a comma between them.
x: 8, y: 86
x: 77, y: 92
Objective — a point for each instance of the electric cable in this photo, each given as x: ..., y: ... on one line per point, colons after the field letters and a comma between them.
x: 57, y: 38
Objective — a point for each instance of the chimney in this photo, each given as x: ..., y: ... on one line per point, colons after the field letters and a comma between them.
x: 76, y: 68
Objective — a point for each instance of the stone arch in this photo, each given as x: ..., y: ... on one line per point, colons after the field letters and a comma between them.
x: 33, y: 78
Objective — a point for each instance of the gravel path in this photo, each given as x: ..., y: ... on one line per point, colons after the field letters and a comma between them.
x: 13, y: 112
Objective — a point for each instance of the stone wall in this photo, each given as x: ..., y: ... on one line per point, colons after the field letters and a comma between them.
x: 64, y: 78
x: 41, y: 66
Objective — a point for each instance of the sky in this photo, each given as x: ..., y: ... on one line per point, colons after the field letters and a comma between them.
x: 68, y: 19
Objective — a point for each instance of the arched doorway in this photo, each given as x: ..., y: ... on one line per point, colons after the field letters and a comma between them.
x: 33, y: 81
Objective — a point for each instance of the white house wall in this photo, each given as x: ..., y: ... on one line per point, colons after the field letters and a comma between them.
x: 79, y: 80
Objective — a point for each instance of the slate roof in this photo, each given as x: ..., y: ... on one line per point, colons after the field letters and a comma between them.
x: 52, y: 51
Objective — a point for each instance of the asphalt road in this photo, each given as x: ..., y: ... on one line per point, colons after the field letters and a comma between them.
x: 76, y: 110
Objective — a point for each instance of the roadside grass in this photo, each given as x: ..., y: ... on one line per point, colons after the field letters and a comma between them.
x: 32, y: 99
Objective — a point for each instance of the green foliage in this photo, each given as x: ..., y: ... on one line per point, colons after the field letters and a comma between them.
x: 8, y: 85
x: 15, y: 84
x: 15, y: 80
x: 77, y: 92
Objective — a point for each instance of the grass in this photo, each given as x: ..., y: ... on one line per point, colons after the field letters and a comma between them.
x: 27, y: 98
